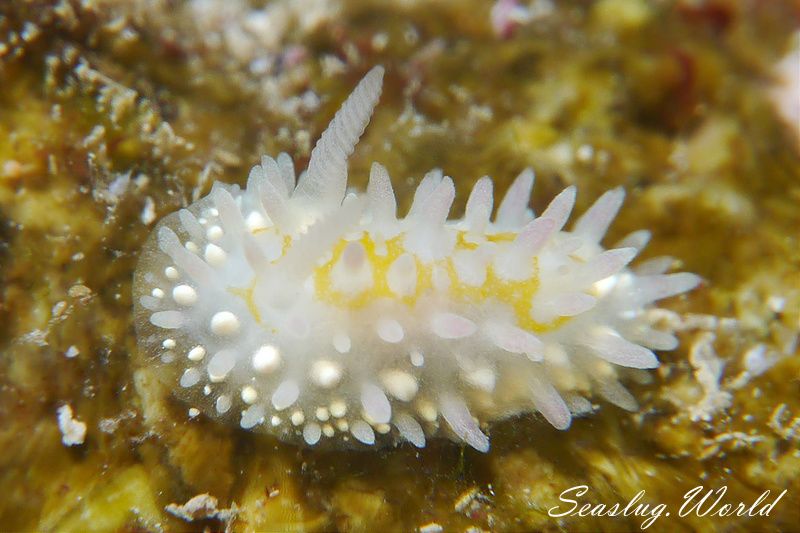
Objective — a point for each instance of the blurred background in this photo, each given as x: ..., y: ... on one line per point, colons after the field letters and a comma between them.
x: 114, y: 113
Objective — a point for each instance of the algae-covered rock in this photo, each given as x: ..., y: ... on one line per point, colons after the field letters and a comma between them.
x: 116, y: 113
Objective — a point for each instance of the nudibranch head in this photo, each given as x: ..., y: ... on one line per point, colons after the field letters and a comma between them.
x: 320, y: 316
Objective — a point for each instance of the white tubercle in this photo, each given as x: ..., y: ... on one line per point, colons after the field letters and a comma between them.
x: 399, y: 384
x: 215, y: 256
x: 184, y: 295
x: 249, y: 395
x: 297, y: 418
x: 326, y: 374
x: 338, y: 408
x: 266, y: 359
x: 320, y: 315
x: 224, y: 323
x: 197, y: 353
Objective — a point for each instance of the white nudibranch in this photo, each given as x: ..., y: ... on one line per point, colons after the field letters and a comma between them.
x: 319, y: 316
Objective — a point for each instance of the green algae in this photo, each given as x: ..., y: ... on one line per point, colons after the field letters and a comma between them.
x: 112, y: 116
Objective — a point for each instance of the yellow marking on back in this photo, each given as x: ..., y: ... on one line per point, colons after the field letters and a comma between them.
x: 517, y: 294
x: 380, y: 267
x: 247, y: 294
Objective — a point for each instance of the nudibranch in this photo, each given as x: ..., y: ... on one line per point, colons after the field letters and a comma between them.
x: 317, y: 315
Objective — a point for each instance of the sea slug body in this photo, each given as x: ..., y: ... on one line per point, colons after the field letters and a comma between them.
x: 319, y: 316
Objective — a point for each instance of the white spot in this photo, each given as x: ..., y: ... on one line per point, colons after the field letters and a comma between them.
x: 416, y: 357
x: 341, y: 342
x: 266, y: 359
x: 275, y: 421
x: 71, y: 352
x: 362, y: 432
x: 327, y: 430
x: 322, y: 414
x: 197, y: 353
x: 223, y: 404
x: 383, y: 429
x: 297, y: 418
x: 184, y: 295
x: 481, y: 378
x: 194, y: 412
x: 584, y: 153
x: 285, y: 395
x: 338, y: 408
x: 430, y: 527
x: 452, y: 326
x: 399, y: 384
x: 73, y: 431
x: 215, y: 256
x: 192, y: 247
x: 389, y: 330
x: 157, y: 293
x: 224, y: 323
x: 776, y: 304
x: 214, y: 233
x: 427, y: 410
x: 604, y: 286
x: 206, y: 389
x: 311, y: 433
x: 249, y: 395
x: 168, y: 344
x: 342, y: 425
x: 326, y: 374
x: 220, y: 365
x: 190, y: 377
x: 255, y: 222
x: 171, y: 273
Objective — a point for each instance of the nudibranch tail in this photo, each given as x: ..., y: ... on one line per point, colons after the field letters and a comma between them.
x: 324, y: 318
